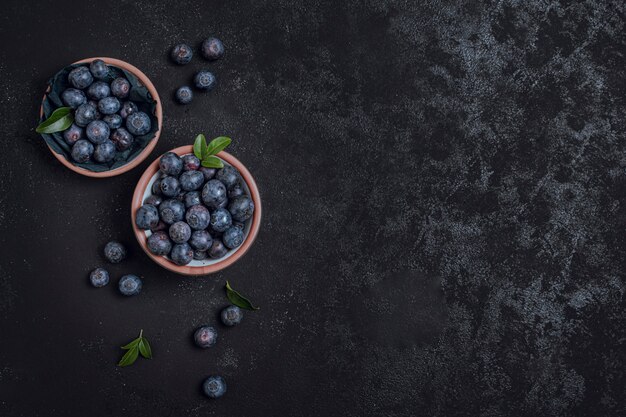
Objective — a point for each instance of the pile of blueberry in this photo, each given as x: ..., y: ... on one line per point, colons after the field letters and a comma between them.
x: 212, y: 49
x: 194, y: 212
x: 105, y: 121
x: 115, y: 252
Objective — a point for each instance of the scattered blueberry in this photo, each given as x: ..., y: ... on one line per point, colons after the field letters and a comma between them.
x: 217, y: 249
x: 114, y: 252
x: 205, y: 336
x: 241, y: 208
x: 231, y: 315
x: 147, y: 217
x: 159, y: 243
x: 82, y: 150
x: 170, y: 186
x: 130, y: 285
x: 180, y: 232
x: 213, y: 194
x: 171, y: 164
x: 73, y: 134
x: 104, y: 152
x: 198, y: 217
x: 99, y: 90
x: 80, y: 78
x: 191, y: 180
x: 205, y: 80
x: 73, y: 97
x: 181, y: 254
x: 214, y: 386
x: 97, y: 131
x: 171, y: 211
x: 233, y: 237
x: 99, y: 277
x: 212, y: 49
x: 201, y: 240
x: 128, y: 108
x: 85, y: 114
x: 190, y: 163
x: 99, y: 69
x: 192, y: 198
x: 182, y: 54
x: 220, y: 220
x: 228, y: 175
x: 138, y: 123
x: 122, y: 139
x: 114, y: 121
x: 184, y: 95
x: 109, y: 105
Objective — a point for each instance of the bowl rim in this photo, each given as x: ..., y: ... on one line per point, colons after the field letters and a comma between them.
x: 146, y: 151
x: 140, y: 235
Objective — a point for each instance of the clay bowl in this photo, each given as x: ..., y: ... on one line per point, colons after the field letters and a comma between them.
x: 147, y: 150
x: 209, y: 266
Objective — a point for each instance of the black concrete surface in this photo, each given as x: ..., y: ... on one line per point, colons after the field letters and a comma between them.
x: 444, y: 192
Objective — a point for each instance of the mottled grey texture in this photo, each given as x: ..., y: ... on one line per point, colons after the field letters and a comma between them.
x: 444, y: 212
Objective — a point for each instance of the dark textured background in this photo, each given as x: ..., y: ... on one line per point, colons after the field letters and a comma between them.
x: 444, y: 192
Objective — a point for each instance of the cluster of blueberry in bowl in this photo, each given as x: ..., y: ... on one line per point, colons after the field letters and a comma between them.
x: 194, y: 212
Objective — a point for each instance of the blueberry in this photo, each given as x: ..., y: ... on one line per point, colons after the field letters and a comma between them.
x: 99, y: 90
x: 73, y: 134
x: 181, y: 254
x: 73, y: 97
x: 182, y: 54
x: 104, y: 152
x: 192, y: 198
x: 128, y: 108
x: 232, y: 237
x: 159, y: 243
x: 201, y: 240
x: 214, y: 386
x: 220, y: 220
x: 99, y: 277
x: 99, y: 69
x: 109, y: 105
x: 228, y: 175
x: 236, y: 190
x: 120, y: 87
x: 198, y: 217
x: 239, y: 225
x: 122, y: 139
x: 205, y: 336
x: 180, y: 232
x: 231, y: 315
x: 138, y: 123
x: 85, y: 114
x: 156, y: 187
x: 147, y: 217
x: 205, y: 80
x: 208, y: 173
x: 214, y: 194
x: 114, y: 252
x: 97, y: 131
x: 114, y: 121
x: 217, y: 250
x: 212, y: 49
x: 82, y: 150
x: 171, y: 164
x: 241, y: 208
x: 130, y: 285
x: 170, y: 186
x: 171, y: 211
x: 184, y: 95
x: 80, y: 78
x: 190, y: 163
x: 191, y: 180
x: 154, y: 200
x: 160, y: 226
x: 200, y: 255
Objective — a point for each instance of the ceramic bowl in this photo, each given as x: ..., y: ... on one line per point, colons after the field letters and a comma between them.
x: 147, y: 150
x: 208, y: 266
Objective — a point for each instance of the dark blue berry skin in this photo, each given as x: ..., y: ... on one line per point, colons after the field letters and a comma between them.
x: 99, y: 277
x: 99, y: 69
x: 241, y: 208
x: 228, y: 175
x: 170, y: 186
x: 171, y: 211
x: 156, y: 187
x: 214, y: 194
x: 109, y: 105
x: 182, y: 54
x: 208, y: 173
x: 192, y: 198
x: 80, y: 78
x: 114, y: 252
x: 85, y: 114
x: 236, y: 190
x: 220, y: 220
x: 239, y: 225
x: 97, y: 131
x: 231, y: 315
x: 205, y: 80
x: 201, y: 240
x: 191, y: 180
x: 82, y: 150
x: 205, y: 336
x: 184, y: 95
x: 122, y: 139
x: 161, y: 226
x: 200, y: 255
x: 138, y: 123
x: 154, y: 200
x: 214, y: 386
x: 147, y: 217
x: 217, y: 249
x: 198, y: 217
x: 73, y: 97
x: 212, y: 49
x: 171, y: 164
x: 159, y: 243
x: 73, y: 134
x: 181, y: 254
x: 130, y: 285
x: 180, y: 232
x: 99, y: 90
x: 233, y: 237
x: 120, y: 87
x: 104, y: 152
x: 114, y: 121
x: 190, y: 163
x: 128, y: 108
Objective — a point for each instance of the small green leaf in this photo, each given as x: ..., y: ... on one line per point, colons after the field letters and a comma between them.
x: 129, y: 357
x: 238, y: 299
x: 59, y: 120
x: 212, y: 162
x: 144, y: 348
x: 132, y: 344
x: 218, y: 144
x: 199, y: 146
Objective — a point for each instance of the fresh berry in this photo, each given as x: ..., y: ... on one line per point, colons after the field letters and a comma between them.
x: 98, y: 90
x: 120, y: 87
x: 104, y: 152
x: 99, y: 69
x: 180, y: 232
x: 212, y: 49
x: 232, y: 237
x: 231, y: 315
x: 190, y: 163
x: 114, y: 121
x: 184, y: 95
x: 205, y: 80
x: 130, y: 285
x: 82, y: 150
x: 228, y: 175
x: 85, y: 114
x: 154, y: 200
x: 200, y: 255
x: 171, y: 211
x: 128, y: 108
x: 191, y: 180
x: 156, y: 187
x: 99, y: 277
x: 198, y: 217
x: 205, y: 336
x: 114, y: 252
x: 73, y: 134
x: 171, y: 164
x: 122, y: 139
x: 220, y: 220
x: 241, y: 208
x: 236, y: 190
x: 170, y: 186
x: 80, y: 78
x: 159, y: 243
x: 138, y: 123
x: 73, y: 97
x: 181, y: 254
x: 181, y: 54
x: 192, y: 198
x: 109, y: 105
x: 214, y: 194
x: 97, y: 131
x: 214, y: 386
x: 208, y: 173
x: 201, y: 240
x: 147, y: 217
x: 217, y: 249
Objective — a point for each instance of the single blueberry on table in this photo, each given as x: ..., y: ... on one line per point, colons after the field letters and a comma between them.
x: 85, y: 114
x: 128, y: 108
x: 104, y: 152
x: 170, y: 186
x: 228, y: 175
x: 198, y: 217
x: 99, y: 69
x: 147, y: 217
x: 236, y: 190
x: 184, y: 95
x: 98, y: 90
x: 205, y: 336
x: 220, y: 220
x: 181, y: 254
x: 191, y: 180
x: 192, y: 198
x: 214, y: 386
x: 172, y: 211
x: 122, y: 139
x: 200, y: 255
x: 99, y: 277
x: 233, y: 237
x: 205, y: 80
x: 171, y: 164
x: 109, y: 105
x: 180, y: 232
x: 80, y: 78
x: 231, y: 315
x: 138, y: 123
x: 72, y: 134
x: 201, y: 240
x: 181, y: 54
x: 214, y: 194
x: 130, y: 285
x: 114, y: 252
x: 212, y: 49
x: 217, y: 249
x: 120, y: 87
x: 73, y: 97
x: 241, y: 208
x: 190, y: 163
x: 159, y: 243
x: 97, y: 131
x: 208, y: 173
x: 154, y: 200
x: 114, y: 121
x: 82, y: 150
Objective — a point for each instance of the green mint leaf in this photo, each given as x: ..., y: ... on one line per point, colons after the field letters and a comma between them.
x: 129, y: 357
x: 132, y: 344
x: 212, y: 162
x: 218, y: 144
x: 145, y: 349
x: 59, y: 120
x: 199, y: 147
x: 238, y: 299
